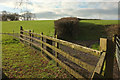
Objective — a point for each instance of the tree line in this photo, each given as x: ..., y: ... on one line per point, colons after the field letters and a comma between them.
x: 9, y: 16
x: 6, y: 16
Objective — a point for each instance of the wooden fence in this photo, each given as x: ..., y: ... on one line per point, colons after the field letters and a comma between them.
x: 118, y: 51
x: 104, y: 68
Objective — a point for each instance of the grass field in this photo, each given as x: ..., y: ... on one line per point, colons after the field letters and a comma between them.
x: 101, y: 22
x: 20, y: 61
x: 47, y: 26
x: 89, y: 29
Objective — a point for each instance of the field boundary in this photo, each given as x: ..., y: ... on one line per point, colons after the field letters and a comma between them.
x: 118, y: 50
x: 102, y: 70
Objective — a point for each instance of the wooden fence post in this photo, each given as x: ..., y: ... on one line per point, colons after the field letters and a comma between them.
x: 103, y: 44
x: 30, y: 36
x: 57, y: 46
x: 109, y: 59
x: 21, y: 29
x: 41, y: 43
x: 103, y: 48
x: 109, y: 47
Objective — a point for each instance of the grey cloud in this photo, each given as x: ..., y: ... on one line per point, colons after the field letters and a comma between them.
x: 93, y: 12
x: 97, y: 11
x: 50, y: 15
x: 103, y: 13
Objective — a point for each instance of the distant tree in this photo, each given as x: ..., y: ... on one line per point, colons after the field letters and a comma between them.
x: 27, y: 15
x: 12, y: 17
x: 4, y: 15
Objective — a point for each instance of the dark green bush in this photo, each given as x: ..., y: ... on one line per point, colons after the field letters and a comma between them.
x: 66, y: 28
x: 113, y: 30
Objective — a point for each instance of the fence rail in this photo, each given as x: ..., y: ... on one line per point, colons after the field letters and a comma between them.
x: 118, y: 51
x: 71, y: 45
x: 37, y: 40
x: 73, y: 59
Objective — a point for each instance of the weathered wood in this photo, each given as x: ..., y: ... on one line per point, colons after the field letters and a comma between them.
x: 57, y: 46
x: 21, y: 32
x: 100, y: 64
x: 41, y: 43
x: 72, y: 45
x: 30, y: 35
x: 71, y: 71
x: 108, y: 47
x: 103, y: 44
x: 117, y: 42
x: 117, y: 38
x: 97, y: 77
x: 73, y: 59
x: 109, y: 59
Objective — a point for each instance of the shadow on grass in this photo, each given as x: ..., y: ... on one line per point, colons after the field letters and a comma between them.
x: 90, y: 31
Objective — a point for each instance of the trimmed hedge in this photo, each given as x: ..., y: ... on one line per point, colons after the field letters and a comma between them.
x: 113, y: 30
x: 66, y: 28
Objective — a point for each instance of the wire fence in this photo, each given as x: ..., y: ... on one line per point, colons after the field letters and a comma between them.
x: 118, y: 51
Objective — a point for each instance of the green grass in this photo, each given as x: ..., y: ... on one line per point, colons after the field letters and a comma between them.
x: 95, y: 46
x: 101, y: 22
x: 47, y: 26
x: 20, y: 61
x: 90, y: 31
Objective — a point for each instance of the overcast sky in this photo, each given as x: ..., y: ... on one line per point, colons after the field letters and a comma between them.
x: 55, y: 9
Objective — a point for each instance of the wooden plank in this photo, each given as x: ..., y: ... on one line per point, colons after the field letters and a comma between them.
x: 97, y: 77
x: 100, y: 64
x: 72, y: 45
x: 117, y: 38
x: 71, y: 71
x: 57, y: 46
x: 41, y: 43
x: 103, y: 44
x: 118, y: 56
x: 73, y: 59
x: 75, y: 46
x: 117, y: 43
